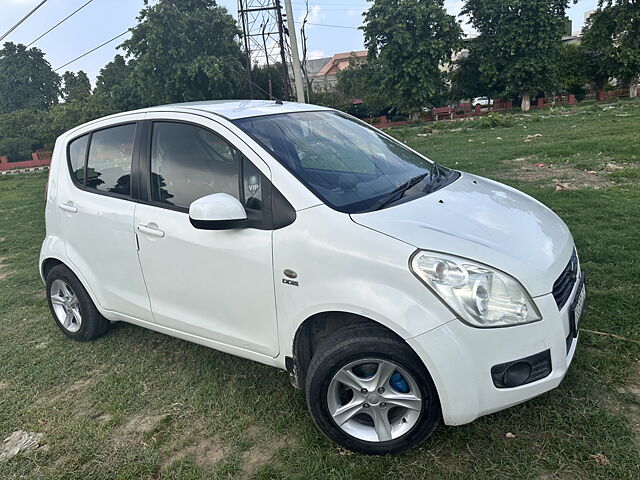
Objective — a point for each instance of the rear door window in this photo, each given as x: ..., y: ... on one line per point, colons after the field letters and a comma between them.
x: 109, y: 161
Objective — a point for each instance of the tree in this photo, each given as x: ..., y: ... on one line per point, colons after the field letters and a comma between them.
x: 115, y: 86
x: 20, y: 134
x: 411, y: 40
x: 612, y: 38
x: 184, y: 50
x: 598, y: 45
x: 76, y: 86
x: 26, y: 79
x: 518, y: 42
x: 267, y: 80
x: 572, y: 69
x: 65, y: 116
x: 466, y: 77
x: 363, y: 81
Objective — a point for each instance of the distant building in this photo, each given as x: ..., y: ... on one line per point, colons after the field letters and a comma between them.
x: 323, y: 71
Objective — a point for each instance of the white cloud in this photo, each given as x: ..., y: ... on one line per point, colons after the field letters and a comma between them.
x: 313, y: 54
x: 316, y: 15
x: 356, y: 12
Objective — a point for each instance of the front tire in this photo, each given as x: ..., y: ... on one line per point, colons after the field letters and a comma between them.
x: 370, y: 393
x: 72, y: 308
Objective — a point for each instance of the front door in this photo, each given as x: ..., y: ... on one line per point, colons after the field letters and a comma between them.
x: 217, y: 285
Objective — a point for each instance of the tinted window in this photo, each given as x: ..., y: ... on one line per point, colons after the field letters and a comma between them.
x: 190, y: 162
x: 77, y: 154
x: 109, y: 163
x: 350, y: 166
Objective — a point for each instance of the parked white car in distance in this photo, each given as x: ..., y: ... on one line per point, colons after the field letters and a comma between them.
x: 482, y: 101
x: 397, y: 293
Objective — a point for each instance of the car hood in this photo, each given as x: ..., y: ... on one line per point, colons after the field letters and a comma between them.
x: 485, y: 221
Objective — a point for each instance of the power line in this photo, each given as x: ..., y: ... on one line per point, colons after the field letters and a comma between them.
x: 92, y: 50
x: 60, y: 22
x: 23, y: 19
x: 333, y: 26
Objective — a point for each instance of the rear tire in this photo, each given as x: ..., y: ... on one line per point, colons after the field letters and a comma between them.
x: 372, y: 422
x: 72, y: 308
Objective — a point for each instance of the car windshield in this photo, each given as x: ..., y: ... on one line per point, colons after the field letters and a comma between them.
x: 350, y: 166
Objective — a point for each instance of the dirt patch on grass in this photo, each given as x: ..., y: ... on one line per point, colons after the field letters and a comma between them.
x: 562, y: 177
x: 75, y: 388
x: 139, y: 424
x: 4, y: 272
x: 206, y: 452
x: 260, y: 453
x: 634, y: 388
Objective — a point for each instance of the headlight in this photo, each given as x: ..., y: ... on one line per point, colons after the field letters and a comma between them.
x: 480, y: 295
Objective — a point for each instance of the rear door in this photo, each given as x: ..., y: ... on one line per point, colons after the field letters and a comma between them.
x: 96, y: 210
x: 216, y: 285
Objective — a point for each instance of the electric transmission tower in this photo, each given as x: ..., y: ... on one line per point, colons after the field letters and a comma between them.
x: 265, y: 40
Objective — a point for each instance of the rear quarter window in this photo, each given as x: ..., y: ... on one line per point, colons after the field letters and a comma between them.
x: 77, y: 155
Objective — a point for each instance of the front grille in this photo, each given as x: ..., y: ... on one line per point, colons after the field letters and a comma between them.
x: 564, y: 284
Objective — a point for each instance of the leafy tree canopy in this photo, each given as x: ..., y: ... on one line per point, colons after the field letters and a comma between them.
x: 612, y: 40
x: 363, y: 81
x: 76, y: 86
x: 518, y: 42
x: 185, y: 50
x: 115, y: 86
x: 572, y: 69
x: 466, y: 77
x: 411, y: 40
x: 267, y: 79
x: 26, y: 79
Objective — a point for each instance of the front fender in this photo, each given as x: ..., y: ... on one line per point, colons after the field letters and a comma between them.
x: 344, y: 267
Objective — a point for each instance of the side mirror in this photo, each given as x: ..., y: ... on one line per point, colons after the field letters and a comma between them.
x: 219, y: 211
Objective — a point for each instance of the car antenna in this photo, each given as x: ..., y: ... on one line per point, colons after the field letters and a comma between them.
x: 278, y: 101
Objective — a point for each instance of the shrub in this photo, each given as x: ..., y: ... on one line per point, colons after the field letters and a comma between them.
x: 16, y: 148
x: 495, y: 120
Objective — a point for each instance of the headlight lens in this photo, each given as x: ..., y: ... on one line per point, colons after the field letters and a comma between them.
x: 480, y: 295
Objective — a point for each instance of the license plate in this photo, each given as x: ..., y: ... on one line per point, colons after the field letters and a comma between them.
x: 578, y: 307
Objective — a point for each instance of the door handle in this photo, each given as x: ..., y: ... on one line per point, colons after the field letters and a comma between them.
x: 68, y: 208
x: 154, y: 232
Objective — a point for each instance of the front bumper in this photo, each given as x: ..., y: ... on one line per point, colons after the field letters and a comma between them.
x: 460, y: 358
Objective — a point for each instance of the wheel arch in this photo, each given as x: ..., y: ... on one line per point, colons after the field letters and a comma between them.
x: 319, y: 326
x: 47, y: 263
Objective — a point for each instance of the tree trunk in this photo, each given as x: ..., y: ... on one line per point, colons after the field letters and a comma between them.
x: 526, y: 102
x: 633, y: 88
x: 415, y: 116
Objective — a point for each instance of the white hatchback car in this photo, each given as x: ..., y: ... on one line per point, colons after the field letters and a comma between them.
x: 395, y: 291
x: 482, y: 102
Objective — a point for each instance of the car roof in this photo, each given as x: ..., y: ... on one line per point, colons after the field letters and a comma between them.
x: 235, y: 109
x: 228, y: 109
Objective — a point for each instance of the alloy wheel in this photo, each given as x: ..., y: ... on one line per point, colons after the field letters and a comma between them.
x: 374, y: 400
x: 65, y: 305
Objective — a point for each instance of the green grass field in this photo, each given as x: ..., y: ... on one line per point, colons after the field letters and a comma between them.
x: 140, y: 405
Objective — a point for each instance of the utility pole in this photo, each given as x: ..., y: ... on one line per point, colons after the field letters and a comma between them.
x: 295, y: 56
x: 264, y: 40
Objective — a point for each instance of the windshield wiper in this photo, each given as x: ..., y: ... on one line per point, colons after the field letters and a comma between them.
x: 403, y: 187
x: 436, y: 173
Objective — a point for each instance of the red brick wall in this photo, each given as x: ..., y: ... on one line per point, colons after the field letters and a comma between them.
x: 39, y: 159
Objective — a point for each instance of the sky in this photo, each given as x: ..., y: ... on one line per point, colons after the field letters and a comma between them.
x: 102, y: 20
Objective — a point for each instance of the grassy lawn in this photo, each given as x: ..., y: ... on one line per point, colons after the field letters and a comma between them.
x: 138, y: 404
